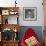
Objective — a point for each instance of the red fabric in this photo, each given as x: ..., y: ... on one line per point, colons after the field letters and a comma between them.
x: 29, y: 33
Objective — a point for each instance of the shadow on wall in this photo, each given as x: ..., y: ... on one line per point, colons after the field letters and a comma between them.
x: 37, y: 29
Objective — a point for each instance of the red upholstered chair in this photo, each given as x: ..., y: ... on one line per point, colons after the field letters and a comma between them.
x: 29, y: 33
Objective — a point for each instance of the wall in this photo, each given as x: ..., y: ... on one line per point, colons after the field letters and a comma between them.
x: 38, y: 5
x: 26, y: 3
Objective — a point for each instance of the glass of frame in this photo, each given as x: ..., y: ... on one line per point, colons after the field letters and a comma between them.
x: 12, y: 20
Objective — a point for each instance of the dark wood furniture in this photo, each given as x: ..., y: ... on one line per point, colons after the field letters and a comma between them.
x: 0, y: 43
x: 5, y: 12
x: 10, y: 43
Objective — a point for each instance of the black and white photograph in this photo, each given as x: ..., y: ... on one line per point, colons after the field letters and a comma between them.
x: 30, y: 13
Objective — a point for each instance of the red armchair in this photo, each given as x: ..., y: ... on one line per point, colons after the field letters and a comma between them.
x: 28, y: 34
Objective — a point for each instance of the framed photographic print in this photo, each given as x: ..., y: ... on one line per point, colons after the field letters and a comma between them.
x: 5, y: 12
x: 30, y: 13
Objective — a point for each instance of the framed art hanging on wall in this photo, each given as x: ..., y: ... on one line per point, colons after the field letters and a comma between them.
x: 30, y: 13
